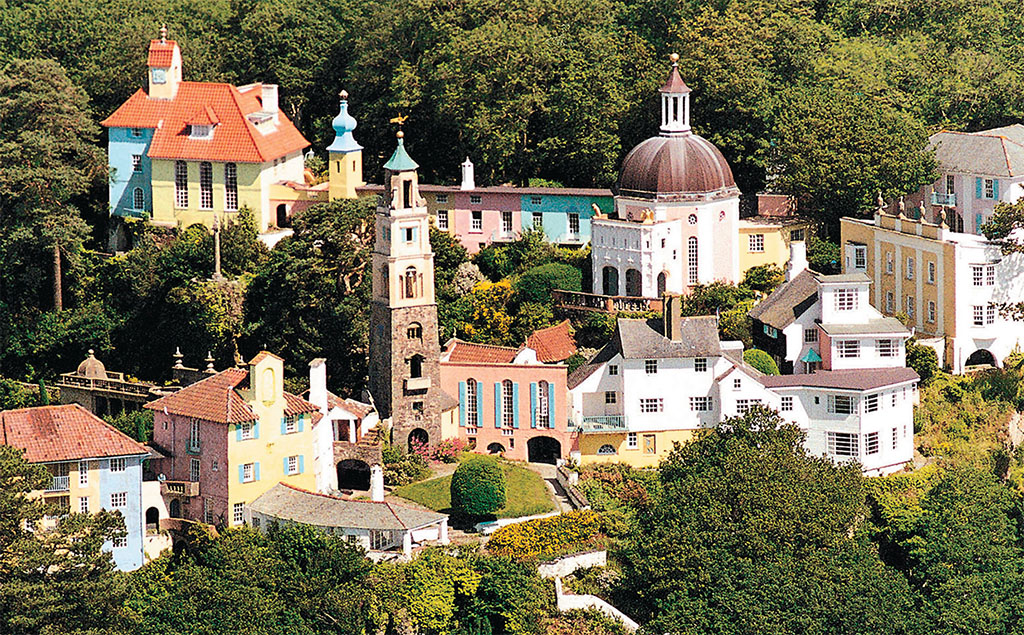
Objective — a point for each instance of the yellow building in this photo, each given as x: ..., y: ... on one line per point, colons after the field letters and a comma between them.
x: 764, y: 240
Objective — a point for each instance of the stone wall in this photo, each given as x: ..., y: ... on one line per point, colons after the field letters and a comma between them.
x: 569, y: 602
x: 568, y: 480
x: 568, y: 565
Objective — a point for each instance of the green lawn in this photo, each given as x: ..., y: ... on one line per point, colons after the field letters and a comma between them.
x: 525, y: 493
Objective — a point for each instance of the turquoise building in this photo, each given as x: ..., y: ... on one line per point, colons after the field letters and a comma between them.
x: 564, y: 217
x: 131, y: 195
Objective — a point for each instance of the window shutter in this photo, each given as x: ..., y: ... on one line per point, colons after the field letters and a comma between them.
x: 285, y: 471
x: 302, y: 419
x: 241, y: 473
x: 462, y: 404
x: 533, y: 404
x: 480, y: 403
x: 256, y: 471
x: 977, y: 187
x: 551, y: 405
x: 256, y: 429
x: 515, y: 405
x: 284, y: 429
x: 995, y: 188
x: 302, y: 463
x: 497, y: 404
x: 238, y: 432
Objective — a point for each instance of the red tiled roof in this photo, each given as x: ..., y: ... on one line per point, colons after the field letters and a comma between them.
x: 465, y: 352
x: 357, y: 408
x: 203, y: 116
x: 262, y: 355
x: 161, y: 53
x: 235, y: 138
x: 63, y: 433
x: 553, y: 344
x: 216, y: 399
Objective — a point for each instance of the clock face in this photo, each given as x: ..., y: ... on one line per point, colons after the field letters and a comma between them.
x: 159, y: 75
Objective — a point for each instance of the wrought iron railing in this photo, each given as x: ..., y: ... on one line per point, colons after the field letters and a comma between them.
x: 604, y: 303
x: 603, y: 423
x: 59, y: 484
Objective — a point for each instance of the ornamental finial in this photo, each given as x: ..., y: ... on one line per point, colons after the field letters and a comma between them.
x: 343, y: 94
x: 674, y: 57
x: 163, y: 33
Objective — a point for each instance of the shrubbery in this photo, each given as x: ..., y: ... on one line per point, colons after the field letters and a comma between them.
x: 548, y: 538
x: 478, y: 486
x: 536, y: 284
x: 761, y: 360
x: 402, y: 468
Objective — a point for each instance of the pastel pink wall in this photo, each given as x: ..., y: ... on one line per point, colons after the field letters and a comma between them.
x: 491, y: 205
x: 171, y: 432
x: 524, y: 375
x: 825, y: 349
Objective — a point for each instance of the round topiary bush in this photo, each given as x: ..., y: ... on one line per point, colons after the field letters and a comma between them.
x: 478, y: 486
x: 761, y: 360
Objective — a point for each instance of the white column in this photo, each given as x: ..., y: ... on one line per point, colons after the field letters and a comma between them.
x: 407, y: 543
x: 443, y: 532
x: 352, y: 430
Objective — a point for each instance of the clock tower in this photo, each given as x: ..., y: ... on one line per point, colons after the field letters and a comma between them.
x: 404, y: 348
x: 164, y: 67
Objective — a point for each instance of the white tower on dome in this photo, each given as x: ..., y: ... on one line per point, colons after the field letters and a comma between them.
x: 675, y: 102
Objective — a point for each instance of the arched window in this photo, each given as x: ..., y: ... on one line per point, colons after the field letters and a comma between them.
x: 606, y: 449
x: 471, y: 407
x: 507, y: 404
x: 610, y: 278
x: 410, y: 282
x: 543, y: 414
x: 416, y: 366
x: 662, y: 283
x: 691, y: 259
x: 414, y: 332
x: 138, y: 199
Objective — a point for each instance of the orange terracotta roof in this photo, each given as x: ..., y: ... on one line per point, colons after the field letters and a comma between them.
x: 161, y: 53
x: 466, y: 352
x: 357, y: 408
x: 262, y: 355
x: 553, y: 344
x: 297, y: 405
x: 204, y: 117
x: 235, y: 138
x: 63, y: 433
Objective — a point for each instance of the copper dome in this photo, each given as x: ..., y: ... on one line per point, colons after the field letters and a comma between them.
x: 92, y: 367
x: 669, y: 165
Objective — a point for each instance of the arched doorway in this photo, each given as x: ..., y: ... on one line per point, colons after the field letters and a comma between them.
x: 152, y: 518
x: 610, y: 281
x: 353, y: 474
x: 418, y: 437
x: 495, y: 448
x: 981, y: 357
x: 543, y: 450
x: 662, y: 283
x: 282, y: 215
x: 175, y: 509
x: 634, y: 284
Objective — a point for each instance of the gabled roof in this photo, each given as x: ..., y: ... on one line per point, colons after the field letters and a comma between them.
x: 788, y: 302
x: 553, y: 344
x: 64, y: 433
x: 235, y: 137
x: 859, y: 379
x: 287, y: 502
x: 161, y: 53
x: 457, y: 351
x: 996, y: 152
x: 644, y: 339
x: 357, y: 408
x: 217, y: 399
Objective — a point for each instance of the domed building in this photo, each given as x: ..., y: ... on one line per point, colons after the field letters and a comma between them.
x: 677, y: 211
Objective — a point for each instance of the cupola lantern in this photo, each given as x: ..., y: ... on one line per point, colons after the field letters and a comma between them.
x: 675, y: 102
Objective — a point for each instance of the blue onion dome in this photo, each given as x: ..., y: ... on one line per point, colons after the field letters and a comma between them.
x: 343, y: 126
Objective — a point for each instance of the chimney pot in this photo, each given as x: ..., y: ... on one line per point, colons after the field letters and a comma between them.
x: 797, y: 259
x: 268, y: 96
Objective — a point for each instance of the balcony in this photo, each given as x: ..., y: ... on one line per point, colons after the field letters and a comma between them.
x: 115, y: 385
x: 603, y: 423
x: 417, y: 383
x: 185, y: 489
x: 949, y: 200
x: 572, y: 238
x: 59, y: 484
x: 577, y: 300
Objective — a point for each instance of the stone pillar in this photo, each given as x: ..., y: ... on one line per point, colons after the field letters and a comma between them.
x: 376, y: 483
x: 352, y: 429
x: 442, y: 533
x: 407, y: 543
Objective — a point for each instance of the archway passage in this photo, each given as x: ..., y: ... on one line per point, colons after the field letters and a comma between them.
x: 662, y: 283
x: 634, y: 283
x: 418, y: 437
x: 981, y: 357
x: 282, y: 215
x: 543, y: 450
x: 495, y: 448
x: 152, y: 518
x: 610, y: 281
x: 353, y: 474
x: 175, y: 508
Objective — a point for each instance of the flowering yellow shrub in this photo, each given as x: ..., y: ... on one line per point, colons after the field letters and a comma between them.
x: 548, y: 537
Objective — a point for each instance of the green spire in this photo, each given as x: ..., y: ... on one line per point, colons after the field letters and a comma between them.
x: 400, y: 160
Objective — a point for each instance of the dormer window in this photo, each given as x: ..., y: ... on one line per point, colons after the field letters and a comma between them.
x: 201, y: 131
x: 846, y: 299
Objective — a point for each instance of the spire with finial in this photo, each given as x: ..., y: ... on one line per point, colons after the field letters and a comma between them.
x: 675, y: 101
x: 209, y: 363
x: 400, y: 160
x: 163, y: 33
x: 343, y: 126
x: 178, y: 357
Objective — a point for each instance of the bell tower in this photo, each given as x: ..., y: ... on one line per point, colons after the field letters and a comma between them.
x: 404, y: 349
x: 164, y: 67
x: 345, y: 168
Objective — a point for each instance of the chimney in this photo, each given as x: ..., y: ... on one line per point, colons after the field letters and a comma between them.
x: 268, y: 96
x: 377, y: 484
x: 318, y: 384
x: 467, y: 176
x: 672, y: 313
x: 797, y: 259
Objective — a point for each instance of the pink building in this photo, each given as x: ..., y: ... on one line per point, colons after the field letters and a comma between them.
x: 509, y: 401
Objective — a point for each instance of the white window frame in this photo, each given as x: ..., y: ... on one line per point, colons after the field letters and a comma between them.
x: 180, y: 184
x: 574, y: 223
x: 846, y: 299
x: 610, y: 397
x: 842, y: 404
x: 931, y: 272
x: 931, y: 310
x: 613, y: 369
x: 649, y: 405
x: 848, y: 349
x: 700, y: 364
x: 701, y: 404
x: 476, y: 221
x: 293, y: 465
x: 506, y: 222
x: 887, y: 347
x: 471, y: 403
x: 136, y: 163
x: 911, y: 304
x: 871, y: 443
x: 441, y: 198
x: 755, y: 243
x: 910, y: 268
x: 83, y: 473
x: 442, y: 219
x: 632, y: 441
x: 988, y: 189
x: 119, y: 543
x: 246, y: 433
x: 118, y: 500
x: 83, y: 505
x: 890, y: 302
x: 118, y: 465
x: 507, y: 404
x: 651, y: 366
x: 238, y: 513
x: 744, y: 405
x: 890, y: 264
x: 537, y: 220
x: 810, y: 335
x: 291, y: 425
x: 194, y: 470
x: 786, y: 405
x: 860, y: 257
x: 544, y: 398
x: 475, y: 199
x: 843, y: 444
x: 193, y: 436
x: 230, y: 187
x: 871, y: 403
x: 248, y: 472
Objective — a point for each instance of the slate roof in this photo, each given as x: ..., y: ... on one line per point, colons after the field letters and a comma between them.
x: 553, y: 344
x: 860, y: 379
x: 469, y: 353
x: 63, y: 433
x: 235, y: 138
x: 880, y: 326
x: 996, y: 152
x: 788, y: 302
x: 287, y: 502
x: 842, y: 278
x: 217, y: 399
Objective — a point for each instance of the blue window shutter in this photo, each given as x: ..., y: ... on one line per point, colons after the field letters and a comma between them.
x: 977, y: 187
x: 238, y: 432
x: 301, y: 418
x: 977, y: 222
x: 462, y: 404
x: 241, y: 473
x: 515, y: 405
x: 995, y: 188
x: 479, y: 403
x: 551, y: 405
x: 302, y: 463
x: 256, y: 429
x: 256, y: 471
x: 283, y: 429
x: 533, y: 404
x: 497, y: 404
x: 286, y: 465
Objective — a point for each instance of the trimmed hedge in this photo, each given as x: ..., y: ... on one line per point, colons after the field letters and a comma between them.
x: 761, y: 360
x: 478, y: 486
x: 548, y: 538
x: 537, y: 283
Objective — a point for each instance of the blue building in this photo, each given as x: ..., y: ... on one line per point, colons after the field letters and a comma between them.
x: 131, y: 195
